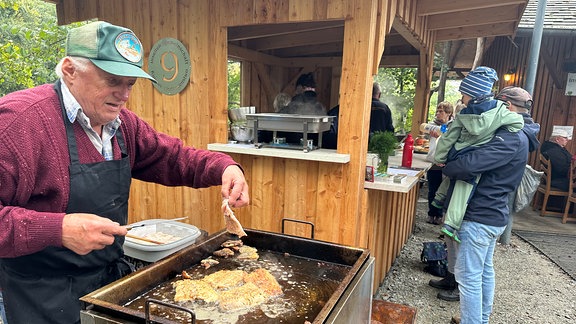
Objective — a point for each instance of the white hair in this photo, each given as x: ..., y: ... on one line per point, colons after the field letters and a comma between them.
x: 80, y: 63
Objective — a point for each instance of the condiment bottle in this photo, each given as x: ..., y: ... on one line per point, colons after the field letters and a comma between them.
x: 408, y: 151
x: 427, y: 128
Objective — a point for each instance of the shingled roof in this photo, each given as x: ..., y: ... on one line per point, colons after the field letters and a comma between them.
x: 560, y: 14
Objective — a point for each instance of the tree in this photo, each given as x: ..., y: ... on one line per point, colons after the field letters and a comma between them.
x: 398, y: 90
x: 31, y: 44
x: 233, y: 83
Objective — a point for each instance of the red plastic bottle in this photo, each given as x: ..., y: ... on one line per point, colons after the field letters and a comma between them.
x: 408, y: 151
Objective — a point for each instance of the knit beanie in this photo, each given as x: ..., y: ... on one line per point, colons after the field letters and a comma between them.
x: 478, y: 83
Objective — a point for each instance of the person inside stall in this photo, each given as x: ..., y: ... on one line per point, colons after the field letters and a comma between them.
x: 380, y: 119
x: 68, y: 152
x: 304, y: 102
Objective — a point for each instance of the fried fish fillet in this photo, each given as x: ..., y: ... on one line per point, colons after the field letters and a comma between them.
x: 233, y: 226
x: 225, y: 279
x: 189, y: 289
x: 245, y: 296
x: 248, y: 253
x: 265, y: 281
x: 233, y: 290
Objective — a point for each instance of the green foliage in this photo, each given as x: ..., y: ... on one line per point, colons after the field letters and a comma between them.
x: 451, y: 94
x: 31, y: 44
x: 383, y: 144
x: 398, y: 90
x: 233, y: 84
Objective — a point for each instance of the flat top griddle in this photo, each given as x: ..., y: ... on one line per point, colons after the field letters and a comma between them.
x: 313, y: 275
x: 301, y: 279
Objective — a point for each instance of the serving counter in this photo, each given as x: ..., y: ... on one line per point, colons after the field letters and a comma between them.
x: 391, y: 209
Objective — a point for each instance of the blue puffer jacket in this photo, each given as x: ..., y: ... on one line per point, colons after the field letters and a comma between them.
x: 501, y: 162
x: 531, y: 129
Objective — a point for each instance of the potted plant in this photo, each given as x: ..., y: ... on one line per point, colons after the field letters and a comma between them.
x: 383, y: 144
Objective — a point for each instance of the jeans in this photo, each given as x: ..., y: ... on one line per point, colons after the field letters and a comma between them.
x: 474, y: 271
x: 452, y: 248
x: 2, y: 312
x: 434, y: 180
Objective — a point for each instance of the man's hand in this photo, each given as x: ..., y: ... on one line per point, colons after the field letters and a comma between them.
x: 234, y: 186
x: 84, y: 233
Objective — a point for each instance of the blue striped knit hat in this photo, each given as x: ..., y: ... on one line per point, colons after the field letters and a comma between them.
x: 478, y: 83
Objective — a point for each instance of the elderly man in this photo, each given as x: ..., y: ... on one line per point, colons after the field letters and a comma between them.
x: 519, y: 101
x: 68, y: 152
x: 555, y: 150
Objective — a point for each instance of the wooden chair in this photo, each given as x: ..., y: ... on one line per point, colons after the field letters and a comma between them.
x: 545, y: 190
x: 571, y: 195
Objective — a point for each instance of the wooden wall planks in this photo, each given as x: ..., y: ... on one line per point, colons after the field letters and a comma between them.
x: 551, y: 107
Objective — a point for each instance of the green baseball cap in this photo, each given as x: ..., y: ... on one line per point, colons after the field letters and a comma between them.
x: 113, y: 49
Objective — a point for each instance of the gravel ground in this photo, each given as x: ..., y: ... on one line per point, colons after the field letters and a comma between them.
x: 529, y: 287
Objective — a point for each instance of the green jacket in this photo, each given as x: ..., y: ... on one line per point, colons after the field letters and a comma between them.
x: 476, y: 129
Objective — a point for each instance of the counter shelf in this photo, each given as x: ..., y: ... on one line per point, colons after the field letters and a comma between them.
x: 418, y: 170
x: 320, y: 155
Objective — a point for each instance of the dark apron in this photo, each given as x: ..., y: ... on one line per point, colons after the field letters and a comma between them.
x: 45, y: 287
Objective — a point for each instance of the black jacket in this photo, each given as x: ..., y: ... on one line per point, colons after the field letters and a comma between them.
x: 380, y: 120
x: 560, y: 160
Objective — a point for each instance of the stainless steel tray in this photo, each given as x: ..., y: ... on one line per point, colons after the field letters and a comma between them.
x: 290, y: 122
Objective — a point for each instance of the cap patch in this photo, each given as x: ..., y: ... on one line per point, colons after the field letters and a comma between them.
x: 129, y: 46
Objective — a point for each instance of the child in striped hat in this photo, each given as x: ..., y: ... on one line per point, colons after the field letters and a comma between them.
x: 473, y: 126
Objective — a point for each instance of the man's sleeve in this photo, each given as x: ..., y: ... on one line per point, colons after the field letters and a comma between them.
x: 474, y: 161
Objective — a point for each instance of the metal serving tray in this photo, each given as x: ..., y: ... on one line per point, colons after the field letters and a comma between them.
x: 305, y: 124
x: 290, y: 122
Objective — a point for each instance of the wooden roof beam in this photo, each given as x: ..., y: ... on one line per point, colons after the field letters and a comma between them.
x: 297, y: 39
x: 436, y: 7
x: 309, y: 50
x: 470, y: 18
x: 242, y: 53
x: 257, y: 31
x: 503, y: 29
x: 398, y: 61
x: 406, y: 34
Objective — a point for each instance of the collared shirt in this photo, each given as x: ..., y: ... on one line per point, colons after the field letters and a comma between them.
x: 74, y: 111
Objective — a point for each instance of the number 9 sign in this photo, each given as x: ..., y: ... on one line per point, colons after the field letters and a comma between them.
x: 169, y: 64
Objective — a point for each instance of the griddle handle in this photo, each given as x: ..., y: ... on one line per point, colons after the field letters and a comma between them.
x: 150, y: 301
x: 301, y: 222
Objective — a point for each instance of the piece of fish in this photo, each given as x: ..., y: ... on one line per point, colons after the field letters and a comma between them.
x: 233, y: 290
x: 248, y: 253
x: 232, y: 243
x: 233, y: 226
x: 223, y: 253
x: 207, y: 263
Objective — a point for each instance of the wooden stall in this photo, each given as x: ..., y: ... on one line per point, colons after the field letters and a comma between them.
x: 343, y: 42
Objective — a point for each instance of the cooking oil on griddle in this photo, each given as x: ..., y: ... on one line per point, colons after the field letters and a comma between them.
x: 307, y: 285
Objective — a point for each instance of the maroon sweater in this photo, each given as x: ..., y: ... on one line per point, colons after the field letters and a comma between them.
x: 34, y: 161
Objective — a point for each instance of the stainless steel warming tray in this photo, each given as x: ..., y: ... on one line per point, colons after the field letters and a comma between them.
x: 349, y: 298
x: 305, y: 124
x: 291, y: 122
